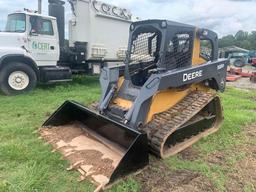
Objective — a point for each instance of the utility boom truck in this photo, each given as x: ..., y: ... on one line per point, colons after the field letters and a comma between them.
x: 33, y: 47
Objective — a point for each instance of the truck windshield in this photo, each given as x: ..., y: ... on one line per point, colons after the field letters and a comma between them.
x: 16, y: 23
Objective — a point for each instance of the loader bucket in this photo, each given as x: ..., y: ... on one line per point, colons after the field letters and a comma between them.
x: 101, y: 149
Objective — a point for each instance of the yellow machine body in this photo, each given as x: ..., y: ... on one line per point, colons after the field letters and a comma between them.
x: 163, y: 100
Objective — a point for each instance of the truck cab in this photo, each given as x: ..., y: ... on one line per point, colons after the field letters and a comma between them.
x: 33, y: 48
x: 29, y: 49
x: 37, y: 33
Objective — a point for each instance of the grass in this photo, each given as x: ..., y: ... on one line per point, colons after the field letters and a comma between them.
x: 27, y: 164
x: 239, y: 111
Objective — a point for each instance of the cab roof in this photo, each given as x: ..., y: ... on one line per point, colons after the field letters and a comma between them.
x: 159, y: 22
x: 34, y: 14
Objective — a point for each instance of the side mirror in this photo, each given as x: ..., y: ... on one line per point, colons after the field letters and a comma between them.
x: 33, y: 33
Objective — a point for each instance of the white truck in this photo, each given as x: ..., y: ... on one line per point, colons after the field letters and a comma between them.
x: 33, y: 48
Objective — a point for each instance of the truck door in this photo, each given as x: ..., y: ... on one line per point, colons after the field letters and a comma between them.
x: 43, y: 41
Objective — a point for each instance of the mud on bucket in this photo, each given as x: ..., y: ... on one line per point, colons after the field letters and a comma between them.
x: 101, y: 149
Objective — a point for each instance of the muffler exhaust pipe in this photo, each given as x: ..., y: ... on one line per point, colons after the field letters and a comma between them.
x: 101, y: 149
x: 39, y: 6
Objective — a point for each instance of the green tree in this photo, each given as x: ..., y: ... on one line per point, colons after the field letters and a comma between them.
x: 228, y: 40
x: 241, y: 35
x: 241, y: 39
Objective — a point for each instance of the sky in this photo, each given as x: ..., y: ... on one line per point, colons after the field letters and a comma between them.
x: 222, y: 16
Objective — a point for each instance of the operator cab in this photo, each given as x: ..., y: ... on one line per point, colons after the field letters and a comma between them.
x: 160, y: 45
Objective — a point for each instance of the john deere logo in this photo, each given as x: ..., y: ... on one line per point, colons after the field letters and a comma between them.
x: 41, y: 46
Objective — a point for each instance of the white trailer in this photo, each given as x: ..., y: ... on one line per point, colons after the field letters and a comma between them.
x: 33, y: 48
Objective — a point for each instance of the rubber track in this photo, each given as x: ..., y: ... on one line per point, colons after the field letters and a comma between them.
x: 165, y: 123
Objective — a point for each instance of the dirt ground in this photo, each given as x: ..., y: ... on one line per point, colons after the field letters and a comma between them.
x: 244, y: 82
x: 159, y: 178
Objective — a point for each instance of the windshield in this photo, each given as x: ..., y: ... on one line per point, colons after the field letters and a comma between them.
x: 16, y: 23
x: 143, y: 54
x: 145, y: 47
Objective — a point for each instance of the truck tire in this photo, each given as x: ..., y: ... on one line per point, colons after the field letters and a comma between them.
x: 17, y: 78
x: 239, y: 63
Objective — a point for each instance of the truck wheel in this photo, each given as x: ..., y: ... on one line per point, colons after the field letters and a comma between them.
x: 16, y: 78
x: 239, y: 63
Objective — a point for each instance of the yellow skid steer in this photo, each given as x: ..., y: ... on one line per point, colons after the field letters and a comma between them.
x: 163, y: 100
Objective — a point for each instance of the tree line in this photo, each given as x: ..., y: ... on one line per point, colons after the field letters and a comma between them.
x: 243, y: 39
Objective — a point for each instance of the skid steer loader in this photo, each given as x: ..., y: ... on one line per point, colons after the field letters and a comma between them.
x: 163, y: 100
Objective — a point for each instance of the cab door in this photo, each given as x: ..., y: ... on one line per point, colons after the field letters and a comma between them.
x: 43, y: 40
